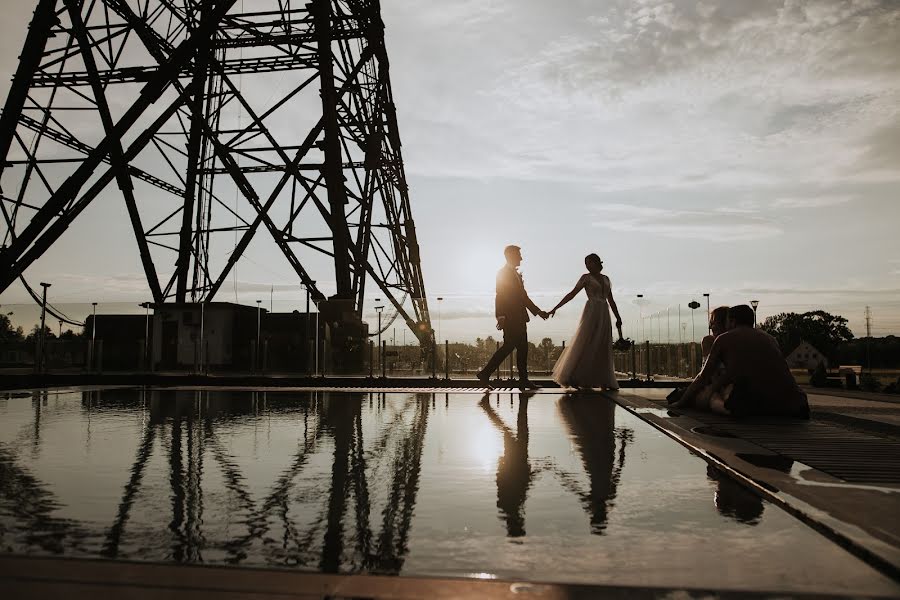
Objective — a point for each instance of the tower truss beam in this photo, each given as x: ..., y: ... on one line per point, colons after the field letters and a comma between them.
x: 273, y: 128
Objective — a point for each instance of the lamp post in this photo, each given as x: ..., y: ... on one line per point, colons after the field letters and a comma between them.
x: 706, y: 295
x: 693, y: 305
x: 754, y: 304
x: 258, y: 323
x: 440, y: 300
x: 146, y: 307
x: 306, y: 327
x: 93, y: 333
x: 40, y: 353
x: 640, y: 303
x: 317, y: 336
x: 378, y: 309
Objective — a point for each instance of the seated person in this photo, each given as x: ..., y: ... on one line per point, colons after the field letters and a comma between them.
x: 718, y: 324
x: 757, y: 380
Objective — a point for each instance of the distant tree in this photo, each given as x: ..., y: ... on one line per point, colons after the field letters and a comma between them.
x: 825, y: 331
x: 35, y: 332
x: 546, y: 347
x: 8, y: 333
x: 68, y: 334
x: 877, y: 352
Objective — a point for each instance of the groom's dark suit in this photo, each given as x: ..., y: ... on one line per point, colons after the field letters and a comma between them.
x: 511, y: 306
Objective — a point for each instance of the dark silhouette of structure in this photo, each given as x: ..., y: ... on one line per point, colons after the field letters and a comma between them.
x: 168, y: 102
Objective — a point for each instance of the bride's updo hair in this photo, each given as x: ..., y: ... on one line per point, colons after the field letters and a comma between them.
x: 593, y: 263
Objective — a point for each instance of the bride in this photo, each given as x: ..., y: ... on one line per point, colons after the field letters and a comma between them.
x: 588, y: 361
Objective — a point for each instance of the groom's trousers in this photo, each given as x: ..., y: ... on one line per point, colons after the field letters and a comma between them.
x: 515, y: 337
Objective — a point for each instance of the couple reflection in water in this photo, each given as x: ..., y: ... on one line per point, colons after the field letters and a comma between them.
x: 591, y: 427
x: 601, y: 448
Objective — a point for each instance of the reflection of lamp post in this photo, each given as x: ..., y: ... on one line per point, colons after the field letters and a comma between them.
x: 754, y: 304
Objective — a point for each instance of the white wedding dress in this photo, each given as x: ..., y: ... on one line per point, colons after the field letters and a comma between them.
x: 588, y: 360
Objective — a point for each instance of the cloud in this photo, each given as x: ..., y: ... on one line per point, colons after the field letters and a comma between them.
x: 674, y: 94
x: 811, y: 202
x: 684, y: 224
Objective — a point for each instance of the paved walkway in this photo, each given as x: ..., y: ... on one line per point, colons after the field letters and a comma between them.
x: 839, y: 472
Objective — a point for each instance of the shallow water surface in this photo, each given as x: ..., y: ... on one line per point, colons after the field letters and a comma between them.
x: 543, y: 487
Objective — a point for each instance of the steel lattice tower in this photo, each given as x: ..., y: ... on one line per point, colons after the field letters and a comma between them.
x: 220, y: 123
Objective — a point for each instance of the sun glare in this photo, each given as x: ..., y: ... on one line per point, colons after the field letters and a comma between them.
x: 479, y: 264
x: 485, y: 445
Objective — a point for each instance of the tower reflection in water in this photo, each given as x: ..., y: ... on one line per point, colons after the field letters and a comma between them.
x: 194, y: 495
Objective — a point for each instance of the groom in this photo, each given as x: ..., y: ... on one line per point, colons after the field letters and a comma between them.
x: 512, y: 317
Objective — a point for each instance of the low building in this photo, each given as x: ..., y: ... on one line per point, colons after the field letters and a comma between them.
x: 228, y: 334
x: 806, y: 356
x: 119, y: 342
x: 226, y: 331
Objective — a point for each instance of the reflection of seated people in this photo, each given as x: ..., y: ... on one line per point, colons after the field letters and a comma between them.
x: 757, y: 379
x: 733, y: 500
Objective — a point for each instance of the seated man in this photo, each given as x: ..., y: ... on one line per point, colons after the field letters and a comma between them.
x: 757, y: 380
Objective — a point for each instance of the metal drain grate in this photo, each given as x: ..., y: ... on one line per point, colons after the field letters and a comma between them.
x: 853, y: 456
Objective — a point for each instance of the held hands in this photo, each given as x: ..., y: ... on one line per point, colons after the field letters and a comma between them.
x: 544, y: 314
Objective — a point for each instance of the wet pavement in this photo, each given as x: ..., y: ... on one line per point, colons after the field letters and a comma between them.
x: 543, y: 488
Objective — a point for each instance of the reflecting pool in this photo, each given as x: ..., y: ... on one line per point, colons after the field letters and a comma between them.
x: 542, y: 487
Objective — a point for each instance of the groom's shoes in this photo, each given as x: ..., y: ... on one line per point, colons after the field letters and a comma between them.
x: 484, y: 378
x: 527, y: 384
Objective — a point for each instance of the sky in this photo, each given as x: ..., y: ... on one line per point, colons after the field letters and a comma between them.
x: 749, y: 150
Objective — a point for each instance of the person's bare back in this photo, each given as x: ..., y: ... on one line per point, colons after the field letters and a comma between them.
x: 762, y: 382
x: 761, y: 376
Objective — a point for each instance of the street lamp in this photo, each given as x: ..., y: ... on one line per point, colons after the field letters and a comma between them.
x: 640, y: 303
x: 40, y: 358
x: 93, y: 333
x: 146, y: 307
x: 693, y: 305
x: 305, y: 286
x: 258, y: 323
x: 378, y: 309
x: 754, y: 304
x: 440, y: 299
x: 706, y: 295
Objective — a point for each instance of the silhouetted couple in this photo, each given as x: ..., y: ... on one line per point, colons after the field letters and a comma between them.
x: 745, y: 373
x: 588, y: 361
